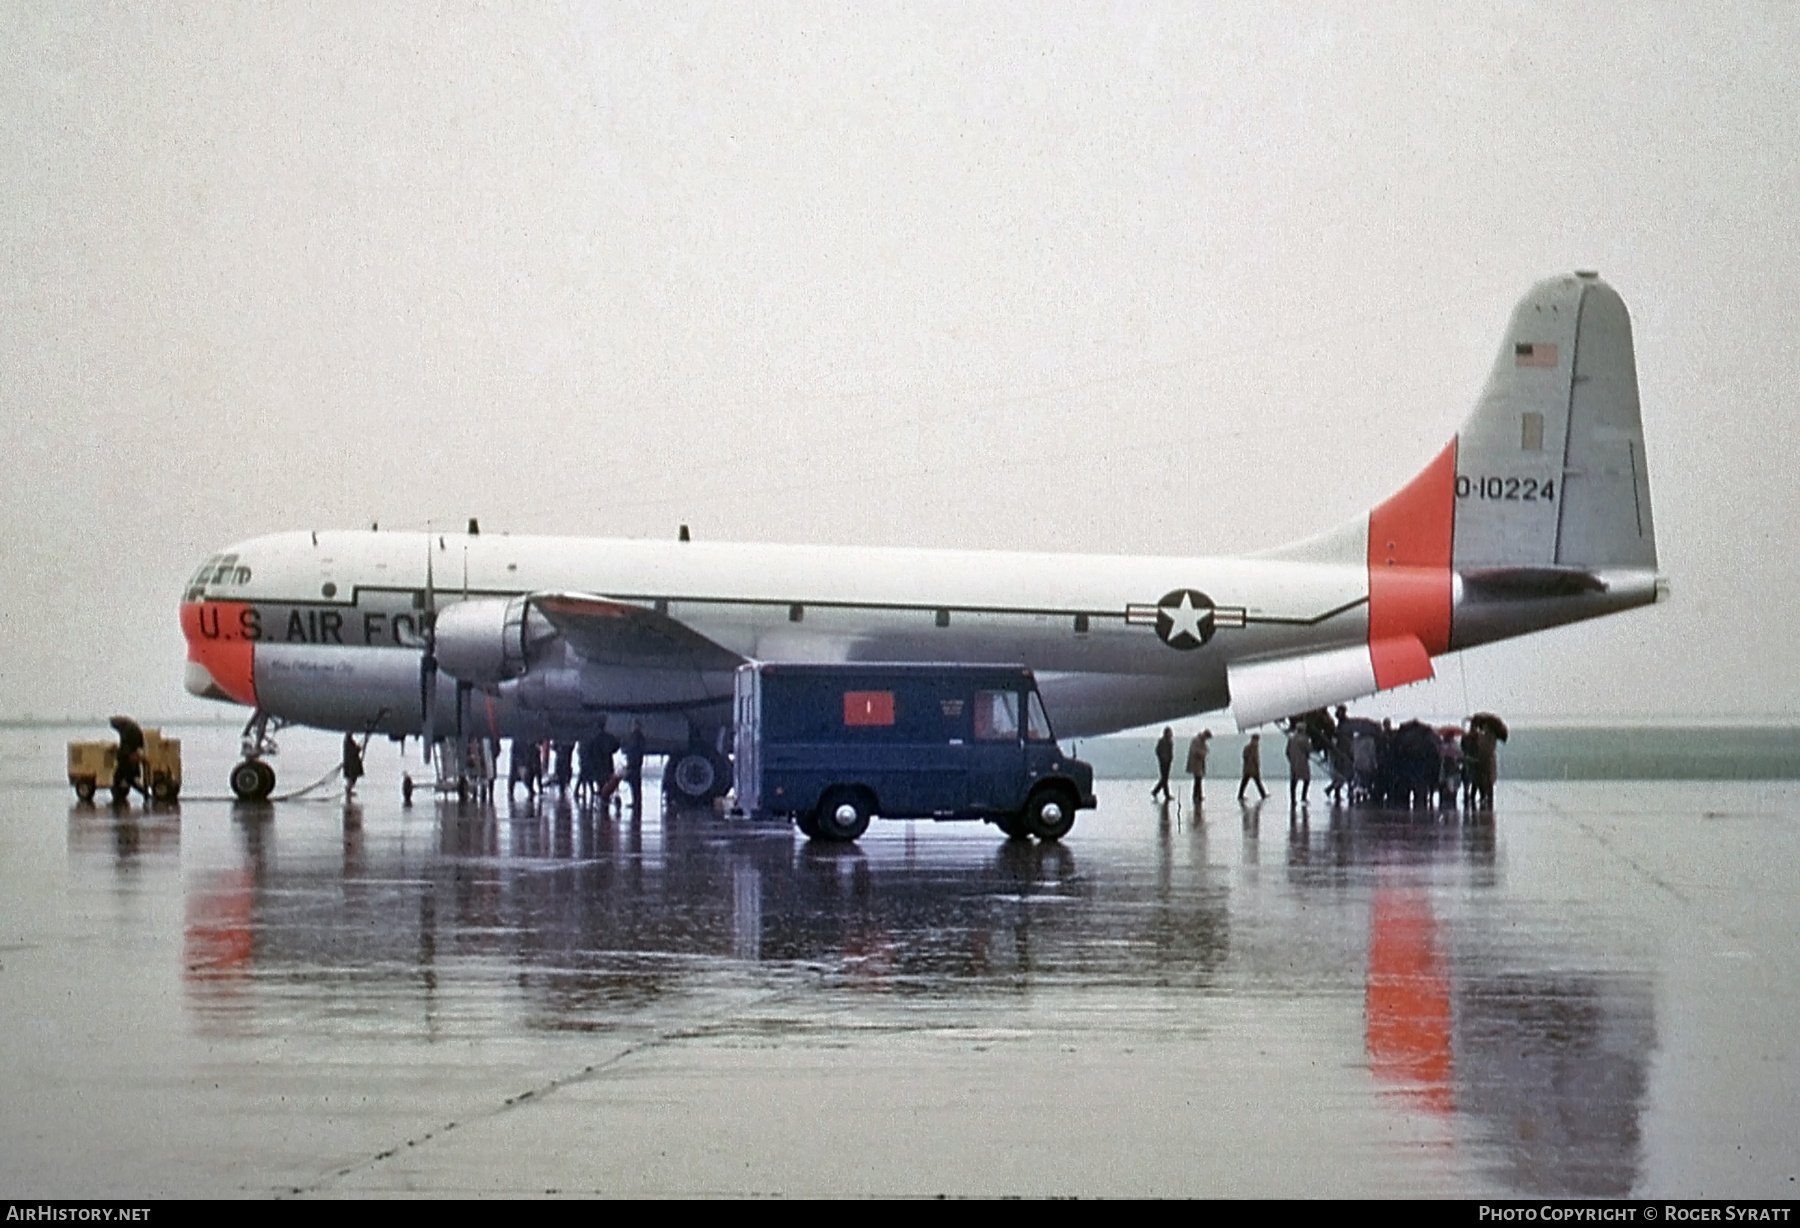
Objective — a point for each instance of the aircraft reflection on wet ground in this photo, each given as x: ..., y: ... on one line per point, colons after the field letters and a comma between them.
x: 1545, y: 1067
x: 560, y: 889
x: 1416, y: 1007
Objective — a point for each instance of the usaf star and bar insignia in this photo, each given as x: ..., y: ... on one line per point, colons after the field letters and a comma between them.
x: 1185, y: 618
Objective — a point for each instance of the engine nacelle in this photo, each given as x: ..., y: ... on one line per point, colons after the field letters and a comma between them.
x: 488, y: 640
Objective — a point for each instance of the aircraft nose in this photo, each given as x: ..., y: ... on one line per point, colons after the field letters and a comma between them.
x: 220, y: 632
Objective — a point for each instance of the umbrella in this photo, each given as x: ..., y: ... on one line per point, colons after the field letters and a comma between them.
x: 1491, y: 721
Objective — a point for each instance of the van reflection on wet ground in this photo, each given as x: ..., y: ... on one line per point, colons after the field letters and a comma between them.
x: 551, y: 888
x: 1423, y: 1006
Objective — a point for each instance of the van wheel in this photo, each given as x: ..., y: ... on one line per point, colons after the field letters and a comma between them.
x: 843, y: 814
x: 1050, y: 813
x: 1013, y: 825
x: 808, y: 823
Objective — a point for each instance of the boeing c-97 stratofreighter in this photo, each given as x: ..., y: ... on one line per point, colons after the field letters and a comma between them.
x: 1536, y: 514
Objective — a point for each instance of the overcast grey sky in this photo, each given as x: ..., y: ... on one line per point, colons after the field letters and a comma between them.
x: 1170, y: 278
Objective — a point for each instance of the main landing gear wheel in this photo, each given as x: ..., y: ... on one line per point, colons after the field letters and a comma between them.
x: 696, y: 777
x: 252, y: 781
x: 843, y: 814
x: 1050, y: 814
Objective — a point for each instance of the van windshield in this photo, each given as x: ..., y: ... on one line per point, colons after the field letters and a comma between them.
x: 1037, y: 723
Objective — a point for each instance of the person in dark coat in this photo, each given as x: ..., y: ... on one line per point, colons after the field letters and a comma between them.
x: 598, y: 775
x: 1165, y: 759
x: 634, y: 764
x: 565, y: 766
x: 353, y: 765
x: 527, y: 767
x: 1481, y: 763
x: 1196, y: 761
x: 1252, y: 767
x: 128, y: 768
x: 1337, y: 757
x: 1299, y: 757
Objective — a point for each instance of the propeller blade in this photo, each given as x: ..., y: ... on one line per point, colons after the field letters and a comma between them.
x: 428, y: 666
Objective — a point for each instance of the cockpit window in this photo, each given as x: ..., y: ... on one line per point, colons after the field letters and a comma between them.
x: 220, y: 569
x: 229, y: 571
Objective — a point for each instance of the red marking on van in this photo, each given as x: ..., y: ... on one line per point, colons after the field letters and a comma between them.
x: 868, y: 707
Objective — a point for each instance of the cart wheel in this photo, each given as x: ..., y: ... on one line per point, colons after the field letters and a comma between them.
x: 163, y: 789
x: 84, y: 789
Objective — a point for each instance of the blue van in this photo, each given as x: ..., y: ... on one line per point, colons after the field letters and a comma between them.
x: 834, y: 745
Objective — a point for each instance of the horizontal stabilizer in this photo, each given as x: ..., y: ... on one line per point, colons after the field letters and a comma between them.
x: 1264, y: 691
x: 1524, y: 582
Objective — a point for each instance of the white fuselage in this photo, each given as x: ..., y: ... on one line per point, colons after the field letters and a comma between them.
x: 335, y: 617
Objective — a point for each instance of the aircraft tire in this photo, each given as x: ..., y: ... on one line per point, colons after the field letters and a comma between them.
x: 696, y: 777
x: 1050, y: 813
x: 252, y: 780
x: 843, y: 814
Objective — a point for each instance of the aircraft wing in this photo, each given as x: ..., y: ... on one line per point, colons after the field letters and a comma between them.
x: 615, y: 633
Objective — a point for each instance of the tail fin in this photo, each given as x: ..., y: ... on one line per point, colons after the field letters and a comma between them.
x: 1550, y: 467
x: 1536, y: 514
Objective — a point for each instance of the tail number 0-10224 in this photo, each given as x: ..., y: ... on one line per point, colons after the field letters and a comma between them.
x: 1529, y: 490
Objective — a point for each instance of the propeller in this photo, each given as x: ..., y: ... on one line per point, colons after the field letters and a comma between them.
x: 428, y: 666
x: 462, y: 688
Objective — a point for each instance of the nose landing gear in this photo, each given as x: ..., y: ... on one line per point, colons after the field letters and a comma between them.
x: 253, y: 780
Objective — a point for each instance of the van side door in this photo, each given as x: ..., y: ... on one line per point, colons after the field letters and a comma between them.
x: 997, y: 753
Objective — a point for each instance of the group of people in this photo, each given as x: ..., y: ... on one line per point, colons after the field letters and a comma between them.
x: 1198, y: 748
x: 585, y: 770
x: 1409, y: 765
x: 1413, y: 764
